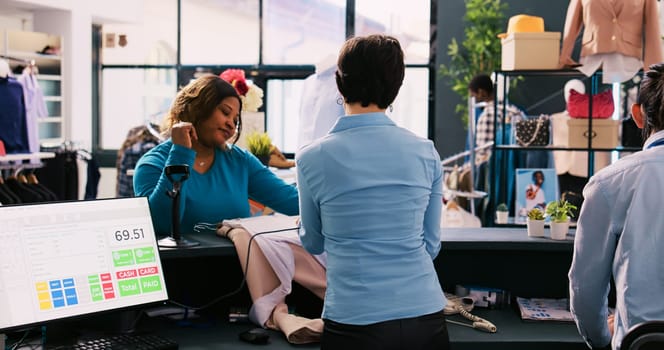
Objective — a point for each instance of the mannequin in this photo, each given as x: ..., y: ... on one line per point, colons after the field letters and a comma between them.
x: 321, y: 102
x: 572, y: 166
x: 613, y: 35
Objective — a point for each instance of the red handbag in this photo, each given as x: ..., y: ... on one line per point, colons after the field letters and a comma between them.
x: 577, y: 105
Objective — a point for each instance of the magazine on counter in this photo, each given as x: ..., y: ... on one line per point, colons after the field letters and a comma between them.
x: 539, y: 309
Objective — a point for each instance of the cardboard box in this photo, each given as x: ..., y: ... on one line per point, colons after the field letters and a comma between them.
x: 530, y: 51
x: 604, y: 133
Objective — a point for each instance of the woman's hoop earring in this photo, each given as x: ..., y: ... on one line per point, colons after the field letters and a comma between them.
x: 340, y: 101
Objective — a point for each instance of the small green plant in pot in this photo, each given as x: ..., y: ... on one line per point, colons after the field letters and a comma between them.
x: 536, y: 214
x: 260, y: 145
x: 535, y: 223
x: 502, y: 213
x: 560, y: 212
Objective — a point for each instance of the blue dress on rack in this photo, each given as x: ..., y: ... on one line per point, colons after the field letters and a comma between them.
x: 13, y: 128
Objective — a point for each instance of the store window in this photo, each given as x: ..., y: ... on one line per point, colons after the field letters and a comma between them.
x: 410, y: 109
x: 133, y: 97
x: 152, y: 41
x: 302, y: 31
x: 408, y: 21
x: 139, y: 80
x: 219, y: 32
x: 283, y: 109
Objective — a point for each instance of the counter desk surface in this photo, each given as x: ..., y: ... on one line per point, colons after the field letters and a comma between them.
x: 490, y: 238
x: 497, y: 257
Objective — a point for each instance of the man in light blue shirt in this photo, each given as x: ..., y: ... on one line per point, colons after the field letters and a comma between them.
x: 620, y: 232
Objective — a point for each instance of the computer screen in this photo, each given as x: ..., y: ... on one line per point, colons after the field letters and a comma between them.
x: 67, y: 259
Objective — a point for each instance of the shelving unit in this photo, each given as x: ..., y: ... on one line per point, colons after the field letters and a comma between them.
x: 27, y: 46
x: 497, y: 169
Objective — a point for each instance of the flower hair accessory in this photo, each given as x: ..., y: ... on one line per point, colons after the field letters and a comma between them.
x: 250, y: 94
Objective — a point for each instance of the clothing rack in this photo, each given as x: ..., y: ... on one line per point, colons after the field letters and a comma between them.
x: 12, y: 161
x: 5, y: 69
x: 29, y: 62
x: 457, y: 156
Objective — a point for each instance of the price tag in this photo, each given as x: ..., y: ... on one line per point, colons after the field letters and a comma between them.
x: 121, y: 236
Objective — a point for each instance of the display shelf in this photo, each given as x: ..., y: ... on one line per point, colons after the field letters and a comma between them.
x: 556, y: 148
x: 521, y: 222
x: 50, y: 77
x: 499, y: 165
x: 54, y: 119
x: 25, y: 48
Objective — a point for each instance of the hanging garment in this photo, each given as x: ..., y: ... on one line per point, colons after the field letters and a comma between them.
x: 27, y: 194
x: 13, y: 131
x: 320, y: 107
x: 60, y: 175
x: 45, y: 192
x: 92, y: 184
x: 616, y: 35
x: 6, y: 196
x: 35, y: 108
x: 139, y: 141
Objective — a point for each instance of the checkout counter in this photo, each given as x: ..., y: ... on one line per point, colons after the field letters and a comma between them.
x: 502, y: 258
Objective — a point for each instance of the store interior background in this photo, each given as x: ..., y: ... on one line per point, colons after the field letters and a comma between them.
x: 74, y: 20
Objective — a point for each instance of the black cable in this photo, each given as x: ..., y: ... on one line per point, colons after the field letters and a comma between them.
x: 244, y: 277
x: 18, y: 343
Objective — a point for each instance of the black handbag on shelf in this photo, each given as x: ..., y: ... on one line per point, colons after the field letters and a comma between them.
x: 533, y: 131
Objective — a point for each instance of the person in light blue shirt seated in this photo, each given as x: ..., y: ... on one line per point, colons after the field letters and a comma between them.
x: 371, y: 198
x: 620, y: 232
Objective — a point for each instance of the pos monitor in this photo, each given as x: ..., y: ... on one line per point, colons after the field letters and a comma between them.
x: 68, y: 259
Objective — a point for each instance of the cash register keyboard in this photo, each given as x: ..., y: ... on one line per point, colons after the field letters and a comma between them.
x: 124, y: 342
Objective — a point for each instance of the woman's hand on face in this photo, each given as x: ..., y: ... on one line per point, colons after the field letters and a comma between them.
x: 183, y: 133
x: 611, y: 323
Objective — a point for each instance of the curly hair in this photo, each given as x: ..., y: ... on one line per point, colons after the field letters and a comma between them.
x: 196, y: 102
x: 370, y: 69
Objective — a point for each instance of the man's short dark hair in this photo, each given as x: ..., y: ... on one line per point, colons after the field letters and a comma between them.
x: 481, y: 81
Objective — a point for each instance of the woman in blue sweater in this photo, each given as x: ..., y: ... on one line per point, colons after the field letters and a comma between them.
x: 203, y: 120
x: 371, y: 198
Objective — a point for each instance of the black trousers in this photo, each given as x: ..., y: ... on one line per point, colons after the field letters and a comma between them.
x: 417, y: 333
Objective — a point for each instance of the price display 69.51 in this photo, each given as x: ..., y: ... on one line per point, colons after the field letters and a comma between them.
x: 126, y: 235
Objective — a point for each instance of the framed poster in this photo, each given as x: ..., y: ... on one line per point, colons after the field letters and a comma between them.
x: 534, y: 188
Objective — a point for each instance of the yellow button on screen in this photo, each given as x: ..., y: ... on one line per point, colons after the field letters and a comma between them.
x: 45, y: 305
x: 44, y: 296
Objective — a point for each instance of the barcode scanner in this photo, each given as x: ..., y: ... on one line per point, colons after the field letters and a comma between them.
x: 175, y: 240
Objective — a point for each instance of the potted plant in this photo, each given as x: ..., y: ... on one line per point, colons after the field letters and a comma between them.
x: 501, y: 213
x: 478, y: 52
x: 260, y: 145
x: 535, y: 223
x: 560, y: 212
